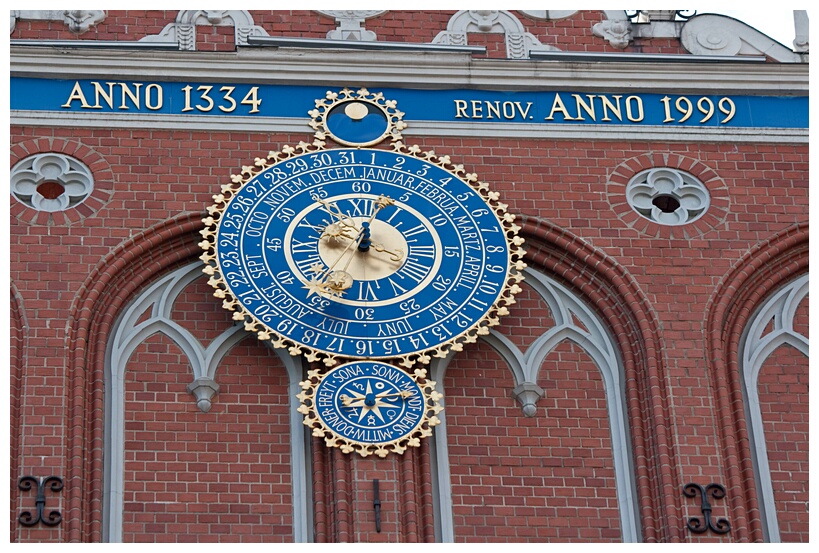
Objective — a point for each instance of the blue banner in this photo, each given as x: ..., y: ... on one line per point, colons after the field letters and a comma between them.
x: 451, y: 105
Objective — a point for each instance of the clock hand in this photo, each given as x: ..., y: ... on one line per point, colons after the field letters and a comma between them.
x: 380, y: 203
x: 341, y: 222
x: 336, y: 232
x: 403, y: 393
x: 332, y: 282
x: 348, y: 401
x: 337, y: 214
x: 396, y: 255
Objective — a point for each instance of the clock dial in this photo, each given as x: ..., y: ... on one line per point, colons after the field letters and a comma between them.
x: 363, y: 254
x: 370, y: 407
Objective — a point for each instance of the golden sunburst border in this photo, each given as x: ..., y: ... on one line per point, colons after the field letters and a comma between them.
x: 500, y: 308
x: 412, y: 439
x: 394, y: 118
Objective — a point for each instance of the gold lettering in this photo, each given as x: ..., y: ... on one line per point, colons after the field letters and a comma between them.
x: 639, y: 108
x: 588, y: 108
x: 76, y: 94
x: 460, y: 109
x: 109, y: 98
x: 477, y: 109
x: 158, y: 103
x: 558, y: 105
x: 496, y: 108
x: 126, y: 91
x: 204, y: 96
x: 523, y: 112
x: 607, y: 105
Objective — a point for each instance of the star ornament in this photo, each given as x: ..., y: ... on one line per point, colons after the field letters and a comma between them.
x: 315, y: 287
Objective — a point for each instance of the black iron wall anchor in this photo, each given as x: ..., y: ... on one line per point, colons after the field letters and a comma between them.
x: 55, y: 483
x: 698, y: 526
x: 377, y: 506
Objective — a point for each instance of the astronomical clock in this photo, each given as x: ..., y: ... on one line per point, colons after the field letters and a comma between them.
x: 367, y: 259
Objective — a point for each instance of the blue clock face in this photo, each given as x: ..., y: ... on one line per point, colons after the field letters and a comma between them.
x: 362, y: 253
x: 369, y: 402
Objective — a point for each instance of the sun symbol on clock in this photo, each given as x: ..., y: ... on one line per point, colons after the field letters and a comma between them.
x: 371, y: 403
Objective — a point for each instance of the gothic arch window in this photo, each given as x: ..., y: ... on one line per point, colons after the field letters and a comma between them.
x: 772, y: 326
x: 577, y: 323
x: 152, y: 313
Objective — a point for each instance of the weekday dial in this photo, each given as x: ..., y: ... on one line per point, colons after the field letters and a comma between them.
x: 369, y: 407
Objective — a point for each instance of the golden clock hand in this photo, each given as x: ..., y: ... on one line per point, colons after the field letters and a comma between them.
x: 328, y: 207
x: 332, y: 282
x: 402, y: 393
x: 347, y: 401
x: 341, y: 222
x: 396, y: 255
x: 380, y: 203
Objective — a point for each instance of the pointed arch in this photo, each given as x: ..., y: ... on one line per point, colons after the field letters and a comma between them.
x: 779, y: 311
x: 621, y: 334
x: 765, y: 268
x: 130, y: 331
x: 95, y: 319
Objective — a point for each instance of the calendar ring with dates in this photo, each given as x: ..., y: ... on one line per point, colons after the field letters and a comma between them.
x: 362, y: 253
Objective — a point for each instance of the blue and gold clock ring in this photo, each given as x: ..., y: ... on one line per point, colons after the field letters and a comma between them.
x: 368, y: 254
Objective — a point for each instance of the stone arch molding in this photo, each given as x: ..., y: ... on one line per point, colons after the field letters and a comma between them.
x: 518, y: 42
x: 576, y: 322
x: 777, y: 313
x: 183, y: 30
x: 131, y: 329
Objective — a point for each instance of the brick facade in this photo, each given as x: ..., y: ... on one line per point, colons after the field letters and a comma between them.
x: 674, y: 302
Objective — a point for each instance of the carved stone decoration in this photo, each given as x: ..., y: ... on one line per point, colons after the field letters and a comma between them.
x: 350, y: 24
x: 51, y: 182
x: 668, y: 196
x: 527, y: 394
x: 719, y: 35
x: 801, y: 42
x: 203, y: 389
x: 518, y: 42
x: 660, y: 15
x: 78, y: 21
x: 616, y: 31
x: 183, y: 30
x: 549, y: 15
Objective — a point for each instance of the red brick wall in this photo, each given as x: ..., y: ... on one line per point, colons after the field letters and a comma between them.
x: 545, y: 478
x: 514, y: 478
x: 221, y: 476
x: 158, y: 174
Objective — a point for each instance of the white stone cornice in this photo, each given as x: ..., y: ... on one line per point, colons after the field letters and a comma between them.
x: 289, y: 125
x: 427, y: 70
